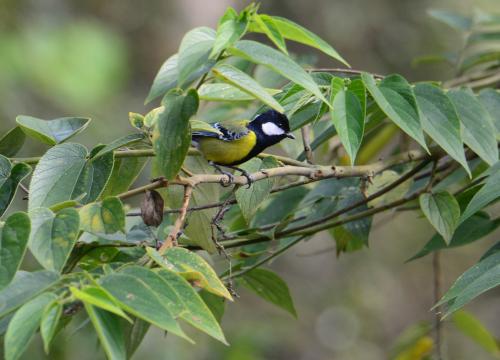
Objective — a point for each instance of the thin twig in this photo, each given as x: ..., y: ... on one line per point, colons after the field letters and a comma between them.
x: 24, y: 188
x: 232, y: 201
x: 204, y: 77
x: 373, y: 196
x: 312, y: 230
x: 468, y: 78
x: 306, y: 137
x: 343, y: 71
x: 171, y: 239
x: 266, y: 259
x: 432, y: 176
x: 487, y: 81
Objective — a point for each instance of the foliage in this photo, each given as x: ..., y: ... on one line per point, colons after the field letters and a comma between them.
x: 129, y: 269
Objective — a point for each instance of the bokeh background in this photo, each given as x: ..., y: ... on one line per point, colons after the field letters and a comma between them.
x: 98, y: 58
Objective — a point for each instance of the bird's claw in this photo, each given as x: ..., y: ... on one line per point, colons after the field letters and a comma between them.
x: 249, y: 177
x: 230, y: 179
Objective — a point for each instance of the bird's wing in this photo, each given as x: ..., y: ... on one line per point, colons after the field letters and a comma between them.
x: 203, y: 129
x: 228, y: 130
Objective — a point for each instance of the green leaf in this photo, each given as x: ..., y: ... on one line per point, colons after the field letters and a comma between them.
x: 10, y: 177
x: 194, y: 52
x: 162, y: 289
x: 53, y: 236
x: 165, y: 80
x: 192, y: 267
x: 226, y: 92
x: 336, y: 85
x: 121, y: 142
x: 14, y: 235
x: 109, y: 331
x: 65, y: 172
x: 12, y: 141
x: 24, y: 324
x: 472, y: 229
x: 54, y: 131
x: 478, y: 131
x: 134, y: 334
x: 382, y: 180
x: 278, y: 62
x: 215, y: 304
x: 268, y: 27
x: 470, y: 326
x: 478, y: 279
x: 440, y: 121
x: 137, y: 298
x: 198, y: 314
x: 358, y: 88
x: 49, y: 323
x: 98, y: 297
x: 442, y: 211
x: 244, y: 82
x: 250, y: 199
x: 230, y: 29
x: 409, y: 342
x: 395, y: 98
x: 24, y: 287
x: 332, y: 195
x: 125, y: 172
x: 280, y: 206
x: 488, y: 193
x: 493, y: 249
x: 106, y: 217
x: 452, y: 19
x: 171, y: 135
x: 295, y: 32
x: 269, y: 286
x: 349, y: 120
x: 136, y: 120
x: 490, y: 99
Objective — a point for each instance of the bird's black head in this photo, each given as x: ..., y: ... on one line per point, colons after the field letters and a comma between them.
x: 271, y: 127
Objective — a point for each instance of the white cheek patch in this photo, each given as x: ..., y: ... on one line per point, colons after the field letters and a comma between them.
x: 271, y: 129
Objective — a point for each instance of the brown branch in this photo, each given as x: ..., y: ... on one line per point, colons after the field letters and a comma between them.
x: 306, y: 229
x: 313, y: 173
x: 171, y: 239
x: 305, y: 132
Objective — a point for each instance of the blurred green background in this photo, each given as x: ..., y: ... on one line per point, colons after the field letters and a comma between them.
x: 98, y: 58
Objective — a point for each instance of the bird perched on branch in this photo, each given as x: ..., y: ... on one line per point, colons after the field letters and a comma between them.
x: 232, y: 142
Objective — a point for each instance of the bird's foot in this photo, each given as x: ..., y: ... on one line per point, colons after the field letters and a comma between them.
x: 249, y: 177
x: 230, y: 178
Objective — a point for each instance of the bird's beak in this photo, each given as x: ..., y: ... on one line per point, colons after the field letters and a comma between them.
x: 290, y: 136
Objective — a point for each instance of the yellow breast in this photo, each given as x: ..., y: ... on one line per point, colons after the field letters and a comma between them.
x: 227, y: 152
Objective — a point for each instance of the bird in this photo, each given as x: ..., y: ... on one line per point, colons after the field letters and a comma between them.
x: 232, y: 142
